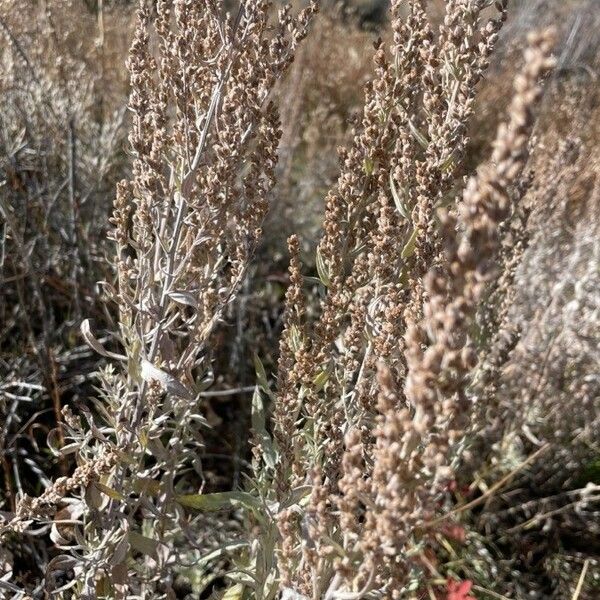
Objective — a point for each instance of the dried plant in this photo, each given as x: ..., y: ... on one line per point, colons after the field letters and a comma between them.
x: 431, y: 427
x: 204, y: 136
x: 396, y: 475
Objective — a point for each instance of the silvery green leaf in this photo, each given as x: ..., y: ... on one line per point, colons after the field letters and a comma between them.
x: 62, y: 562
x: 219, y: 552
x: 322, y: 269
x: 321, y: 378
x: 146, y: 486
x: 235, y: 592
x: 143, y: 544
x: 169, y: 383
x: 93, y: 343
x: 297, y: 495
x: 311, y: 279
x: 183, y: 297
x: 295, y: 338
x: 157, y: 449
x: 53, y: 441
x: 400, y: 205
x: 447, y: 163
x: 261, y: 374
x: 93, y: 498
x: 6, y: 585
x: 108, y: 491
x: 259, y: 427
x: 219, y: 501
x: 67, y: 514
x: 418, y: 135
x: 120, y: 551
x: 198, y: 418
x: 409, y: 247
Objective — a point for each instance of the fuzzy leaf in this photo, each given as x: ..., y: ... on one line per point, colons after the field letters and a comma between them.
x: 418, y: 135
x: 400, y: 205
x: 297, y: 496
x: 109, y: 491
x: 259, y: 427
x: 183, y: 297
x: 53, y: 440
x: 225, y: 550
x: 94, y: 344
x: 169, y: 383
x: 143, y: 544
x: 321, y: 379
x: 322, y: 270
x: 219, y: 501
x: 295, y: 338
x: 146, y: 486
x: 261, y: 374
x: 62, y: 562
x: 120, y: 551
x: 447, y: 163
x: 409, y: 247
x: 235, y: 592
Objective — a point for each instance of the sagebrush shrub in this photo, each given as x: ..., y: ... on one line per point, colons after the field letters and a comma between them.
x: 422, y: 380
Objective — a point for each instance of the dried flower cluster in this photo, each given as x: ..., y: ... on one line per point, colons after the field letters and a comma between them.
x: 204, y: 136
x: 431, y: 426
x: 395, y: 466
x: 399, y: 167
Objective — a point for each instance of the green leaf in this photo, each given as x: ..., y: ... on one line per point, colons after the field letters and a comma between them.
x: 260, y: 430
x: 234, y: 593
x: 322, y: 269
x: 109, y: 491
x: 146, y: 486
x: 590, y: 473
x: 261, y: 374
x: 310, y: 279
x: 409, y: 247
x: 295, y: 338
x: 321, y: 378
x: 447, y: 163
x: 400, y: 205
x: 219, y: 501
x: 143, y: 544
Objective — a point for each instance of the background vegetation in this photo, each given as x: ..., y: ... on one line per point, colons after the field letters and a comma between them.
x: 252, y: 445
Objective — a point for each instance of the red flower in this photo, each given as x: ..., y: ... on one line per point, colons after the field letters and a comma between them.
x: 459, y: 590
x: 452, y: 485
x: 455, y: 532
